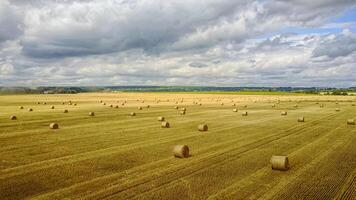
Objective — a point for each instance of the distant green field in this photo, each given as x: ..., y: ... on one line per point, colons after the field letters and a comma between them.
x: 231, y: 92
x: 113, y: 155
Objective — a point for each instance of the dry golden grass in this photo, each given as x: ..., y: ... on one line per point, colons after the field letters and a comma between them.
x: 116, y: 156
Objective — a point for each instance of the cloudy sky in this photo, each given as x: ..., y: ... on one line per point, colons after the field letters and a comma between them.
x: 185, y: 42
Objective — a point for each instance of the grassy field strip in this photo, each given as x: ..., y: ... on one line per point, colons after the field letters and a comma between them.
x: 96, y: 153
x: 70, y: 127
x: 123, y: 141
x: 323, y: 170
x: 233, y: 191
x: 86, y: 137
x: 102, y: 113
x: 134, y: 127
x: 349, y: 188
x: 211, y: 180
x: 6, y: 173
x: 225, y: 128
x: 116, y: 177
x: 170, y: 175
x: 208, y: 168
x: 72, y: 137
x: 78, y: 123
x: 204, y: 149
x: 115, y: 156
x: 188, y: 170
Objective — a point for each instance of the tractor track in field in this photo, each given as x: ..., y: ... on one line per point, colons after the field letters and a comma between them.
x: 349, y: 188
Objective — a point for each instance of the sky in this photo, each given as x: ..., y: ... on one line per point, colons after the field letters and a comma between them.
x: 242, y: 43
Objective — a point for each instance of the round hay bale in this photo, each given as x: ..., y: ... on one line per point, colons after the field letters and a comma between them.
x: 200, y: 104
x: 350, y: 122
x: 148, y: 106
x: 203, y: 127
x: 245, y: 113
x: 233, y: 104
x: 222, y: 104
x: 70, y: 103
x: 284, y: 113
x: 161, y: 119
x: 165, y: 124
x: 65, y: 111
x: 321, y: 105
x: 75, y: 104
x: 139, y: 108
x: 13, y: 117
x: 44, y: 103
x: 245, y: 106
x: 133, y: 114
x: 274, y: 105
x: 101, y: 101
x: 280, y: 163
x: 53, y: 126
x: 116, y: 106
x: 111, y: 106
x: 30, y: 110
x: 182, y: 112
x: 21, y: 107
x: 91, y: 114
x: 337, y: 109
x: 63, y: 103
x: 234, y: 110
x: 123, y: 104
x: 38, y: 102
x: 176, y: 107
x: 295, y: 106
x: 301, y: 119
x: 104, y: 104
x: 181, y: 151
x: 184, y: 109
x: 52, y: 107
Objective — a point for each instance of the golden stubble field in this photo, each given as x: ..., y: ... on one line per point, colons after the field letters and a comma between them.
x: 113, y: 155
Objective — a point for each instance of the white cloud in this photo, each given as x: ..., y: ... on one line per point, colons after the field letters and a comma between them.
x: 143, y: 42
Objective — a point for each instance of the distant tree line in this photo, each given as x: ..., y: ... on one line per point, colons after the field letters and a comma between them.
x: 74, y: 90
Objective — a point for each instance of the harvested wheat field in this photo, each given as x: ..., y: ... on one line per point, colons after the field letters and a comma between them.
x: 116, y: 156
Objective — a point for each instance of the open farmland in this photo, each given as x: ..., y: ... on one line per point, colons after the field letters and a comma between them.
x: 113, y: 155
